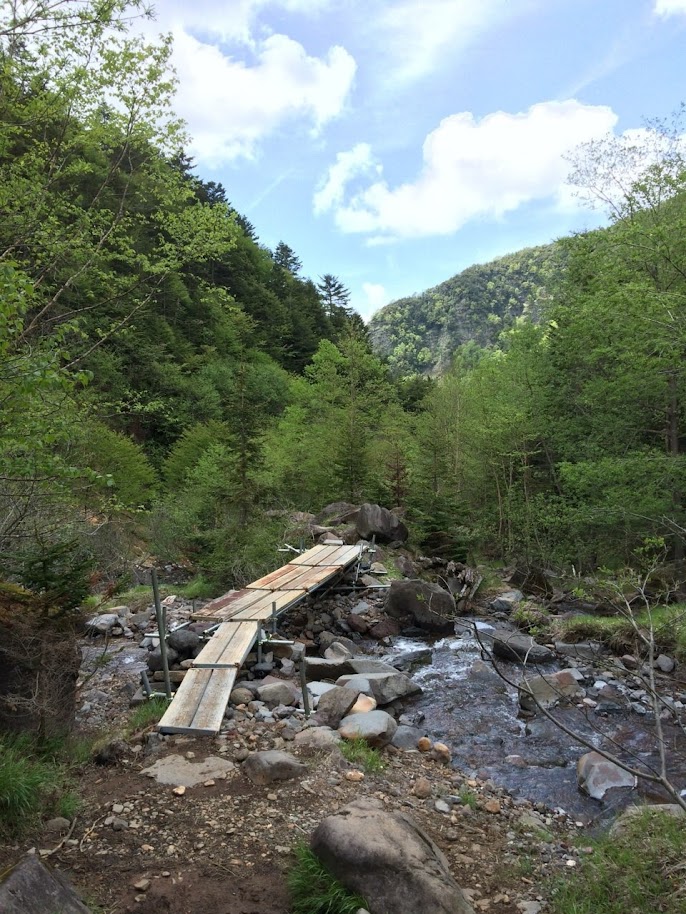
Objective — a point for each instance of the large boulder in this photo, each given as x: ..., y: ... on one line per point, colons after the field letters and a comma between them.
x: 384, y: 687
x: 546, y: 691
x: 184, y: 641
x: 318, y: 668
x: 273, y: 765
x: 520, y: 647
x: 335, y: 704
x: 373, y: 520
x: 428, y: 605
x: 31, y: 887
x: 387, y: 859
x: 375, y: 727
x: 596, y: 775
x: 337, y: 513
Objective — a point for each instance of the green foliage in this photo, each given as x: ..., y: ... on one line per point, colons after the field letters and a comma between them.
x: 359, y: 752
x: 314, y: 890
x: 532, y: 618
x: 468, y: 797
x: 638, y: 870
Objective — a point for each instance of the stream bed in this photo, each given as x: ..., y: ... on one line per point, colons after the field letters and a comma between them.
x: 466, y: 705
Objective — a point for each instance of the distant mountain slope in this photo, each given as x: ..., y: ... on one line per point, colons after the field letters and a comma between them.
x: 420, y: 333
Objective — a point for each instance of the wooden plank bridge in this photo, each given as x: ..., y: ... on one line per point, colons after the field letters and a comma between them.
x: 200, y: 701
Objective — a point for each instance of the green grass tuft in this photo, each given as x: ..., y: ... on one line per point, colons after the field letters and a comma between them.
x: 638, y: 871
x: 617, y: 632
x: 146, y: 715
x: 468, y: 797
x: 359, y: 752
x: 314, y: 890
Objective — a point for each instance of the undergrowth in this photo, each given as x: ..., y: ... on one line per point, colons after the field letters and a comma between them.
x: 314, y: 890
x: 146, y: 715
x: 359, y: 752
x: 36, y: 780
x: 617, y: 632
x: 641, y: 870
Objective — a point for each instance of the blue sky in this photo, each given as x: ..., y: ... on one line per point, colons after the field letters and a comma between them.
x: 395, y: 142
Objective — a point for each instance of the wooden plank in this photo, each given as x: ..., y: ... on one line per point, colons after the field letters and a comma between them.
x: 208, y: 718
x: 228, y: 647
x: 311, y: 578
x: 284, y: 600
x: 343, y: 556
x: 229, y: 609
x: 182, y: 710
x: 313, y: 556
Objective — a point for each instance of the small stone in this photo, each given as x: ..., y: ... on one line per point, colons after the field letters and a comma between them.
x: 117, y: 809
x: 442, y: 806
x: 147, y: 848
x: 492, y: 806
x: 422, y: 788
x: 209, y: 783
x: 441, y: 753
x: 179, y: 791
x: 171, y: 849
x: 354, y: 776
x: 119, y: 824
x: 424, y: 744
x: 142, y: 885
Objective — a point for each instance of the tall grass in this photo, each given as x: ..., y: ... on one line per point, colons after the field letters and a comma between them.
x: 314, y: 890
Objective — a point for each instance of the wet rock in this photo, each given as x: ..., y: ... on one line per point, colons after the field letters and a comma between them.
x: 517, y: 646
x: 389, y: 860
x: 547, y: 691
x: 184, y: 642
x: 375, y: 727
x: 384, y: 687
x: 506, y: 602
x: 373, y: 520
x: 273, y: 765
x: 413, y: 658
x: 431, y: 607
x: 335, y: 704
x: 596, y: 775
x: 406, y: 738
x: 369, y: 665
x: 386, y: 628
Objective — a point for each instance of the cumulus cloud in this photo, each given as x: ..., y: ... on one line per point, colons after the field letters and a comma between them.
x: 230, y: 105
x: 471, y: 169
x: 375, y: 294
x: 670, y: 7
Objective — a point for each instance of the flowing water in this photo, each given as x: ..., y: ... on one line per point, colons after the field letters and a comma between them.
x: 466, y: 705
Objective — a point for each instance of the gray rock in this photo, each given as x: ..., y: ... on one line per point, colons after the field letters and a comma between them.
x: 181, y: 772
x: 31, y: 887
x: 317, y: 689
x: 154, y: 659
x: 386, y: 858
x: 334, y: 705
x: 412, y: 658
x: 547, y: 691
x: 104, y: 624
x: 57, y: 826
x: 360, y: 609
x: 319, y: 738
x: 277, y: 693
x: 517, y: 646
x: 373, y: 520
x: 375, y: 727
x: 273, y: 765
x: 506, y: 602
x: 384, y: 687
x: 584, y: 650
x: 406, y: 737
x: 184, y: 641
x: 317, y: 668
x: 596, y: 775
x: 369, y: 665
x: 338, y: 651
x: 328, y: 639
x: 665, y: 664
x: 240, y: 696
x: 430, y: 606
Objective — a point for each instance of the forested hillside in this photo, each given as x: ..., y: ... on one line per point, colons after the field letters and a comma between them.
x: 422, y: 332
x: 171, y: 387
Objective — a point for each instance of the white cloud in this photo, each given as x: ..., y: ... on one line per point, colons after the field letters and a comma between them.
x: 348, y: 165
x: 670, y: 7
x: 472, y: 169
x: 230, y: 105
x: 417, y: 32
x: 376, y: 295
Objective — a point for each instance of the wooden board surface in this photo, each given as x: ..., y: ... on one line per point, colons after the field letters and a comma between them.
x: 313, y: 556
x: 199, y: 703
x: 262, y: 609
x: 229, y: 646
x: 328, y: 555
x: 217, y: 612
x: 296, y: 577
